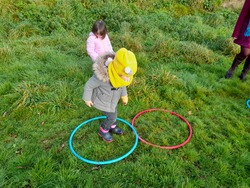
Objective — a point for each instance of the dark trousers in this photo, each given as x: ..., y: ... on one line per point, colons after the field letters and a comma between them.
x: 110, y: 120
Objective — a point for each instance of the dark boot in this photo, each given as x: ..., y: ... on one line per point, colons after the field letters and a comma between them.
x: 245, y: 69
x: 105, y: 135
x: 116, y: 130
x: 236, y: 62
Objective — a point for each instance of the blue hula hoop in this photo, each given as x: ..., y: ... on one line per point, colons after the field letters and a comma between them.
x: 107, y: 161
x: 248, y: 103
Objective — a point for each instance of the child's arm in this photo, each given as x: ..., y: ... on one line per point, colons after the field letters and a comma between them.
x: 91, y: 84
x: 91, y: 48
x: 124, y: 96
x: 109, y: 44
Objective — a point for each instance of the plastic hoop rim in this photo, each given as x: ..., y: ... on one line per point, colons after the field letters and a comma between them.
x: 173, y: 113
x: 107, y: 161
x: 248, y: 103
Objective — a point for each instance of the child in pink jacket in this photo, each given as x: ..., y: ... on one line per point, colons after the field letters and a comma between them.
x: 98, y: 41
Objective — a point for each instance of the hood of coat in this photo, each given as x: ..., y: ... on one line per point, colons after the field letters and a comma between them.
x: 99, y: 67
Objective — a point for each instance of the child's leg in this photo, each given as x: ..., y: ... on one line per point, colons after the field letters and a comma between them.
x: 246, y: 68
x: 244, y: 53
x: 237, y: 60
x: 110, y: 120
x: 106, y: 126
x: 115, y: 129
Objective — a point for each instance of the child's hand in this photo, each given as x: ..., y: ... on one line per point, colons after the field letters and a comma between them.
x: 124, y: 100
x: 89, y: 103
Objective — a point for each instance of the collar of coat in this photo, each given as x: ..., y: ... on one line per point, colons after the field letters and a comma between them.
x: 99, y: 67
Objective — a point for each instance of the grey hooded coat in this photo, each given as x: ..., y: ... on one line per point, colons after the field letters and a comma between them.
x: 99, y: 90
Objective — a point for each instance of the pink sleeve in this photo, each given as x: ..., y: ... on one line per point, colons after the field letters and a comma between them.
x: 91, y: 48
x: 109, y: 44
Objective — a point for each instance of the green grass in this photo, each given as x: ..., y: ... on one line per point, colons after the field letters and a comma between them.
x: 183, y: 50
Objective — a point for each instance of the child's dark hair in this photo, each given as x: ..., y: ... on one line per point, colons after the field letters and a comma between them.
x: 99, y: 28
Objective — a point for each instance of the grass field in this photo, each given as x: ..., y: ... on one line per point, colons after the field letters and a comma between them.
x: 183, y: 49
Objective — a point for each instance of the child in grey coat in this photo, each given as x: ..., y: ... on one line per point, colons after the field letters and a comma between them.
x: 112, y: 73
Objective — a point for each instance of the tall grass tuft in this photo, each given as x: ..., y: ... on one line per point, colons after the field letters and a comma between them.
x: 5, y: 54
x: 194, y: 53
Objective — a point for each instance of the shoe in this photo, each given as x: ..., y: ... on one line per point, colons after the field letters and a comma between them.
x: 106, y: 136
x: 243, y: 77
x: 116, y: 130
x: 229, y: 73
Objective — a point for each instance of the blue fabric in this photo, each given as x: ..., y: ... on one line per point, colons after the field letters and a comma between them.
x: 247, y: 32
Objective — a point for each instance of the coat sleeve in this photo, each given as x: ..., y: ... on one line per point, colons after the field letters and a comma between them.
x: 124, y: 92
x: 109, y: 44
x: 90, y: 85
x: 243, y: 19
x: 91, y: 48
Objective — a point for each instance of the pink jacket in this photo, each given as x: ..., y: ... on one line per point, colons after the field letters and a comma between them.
x: 97, y: 46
